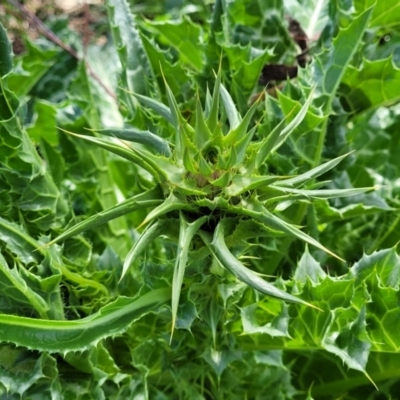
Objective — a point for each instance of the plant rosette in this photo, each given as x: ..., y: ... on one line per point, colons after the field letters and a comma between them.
x: 209, y: 181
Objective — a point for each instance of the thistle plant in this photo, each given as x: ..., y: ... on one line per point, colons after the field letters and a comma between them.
x: 209, y: 180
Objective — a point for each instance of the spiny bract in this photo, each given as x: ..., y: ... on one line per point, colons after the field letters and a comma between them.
x: 212, y: 182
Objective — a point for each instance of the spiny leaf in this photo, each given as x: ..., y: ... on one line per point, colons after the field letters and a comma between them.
x: 135, y: 65
x: 146, y: 138
x: 5, y: 53
x: 182, y: 140
x: 18, y: 241
x: 240, y: 131
x: 331, y: 65
x: 155, y: 105
x: 372, y: 85
x: 204, y: 167
x: 29, y: 251
x: 148, y: 199
x: 188, y: 161
x: 357, y: 346
x: 139, y: 158
x: 160, y: 63
x: 295, y: 122
x: 12, y: 281
x: 308, y: 269
x: 324, y: 193
x: 312, y: 173
x: 162, y: 168
x: 242, y: 184
x: 186, y: 232
x: 230, y: 108
x: 65, y: 336
x: 212, y: 118
x: 177, y: 119
x: 202, y: 132
x: 149, y: 234
x: 223, y: 180
x: 278, y: 136
x: 385, y: 12
x: 262, y: 150
x: 172, y: 203
x: 242, y: 145
x: 257, y: 211
x: 185, y: 36
x: 208, y: 101
x: 226, y: 259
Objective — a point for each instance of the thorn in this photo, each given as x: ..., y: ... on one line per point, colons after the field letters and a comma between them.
x: 172, y: 331
x: 312, y: 306
x: 69, y: 132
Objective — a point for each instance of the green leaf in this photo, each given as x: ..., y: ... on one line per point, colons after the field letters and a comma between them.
x: 182, y: 141
x: 248, y: 229
x: 135, y: 66
x: 311, y: 120
x: 263, y: 149
x: 213, y: 109
x: 330, y: 65
x: 19, y: 295
x: 312, y: 173
x: 223, y: 180
x: 204, y: 167
x: 24, y: 375
x: 241, y: 147
x: 295, y: 122
x: 202, y: 133
x: 149, y: 234
x: 328, y: 214
x: 186, y: 232
x: 227, y: 260
x: 144, y: 200
x: 178, y: 80
x: 280, y: 133
x: 385, y: 13
x: 385, y: 264
x: 155, y: 105
x: 372, y: 85
x: 65, y: 336
x: 18, y: 241
x: 246, y: 75
x: 230, y: 108
x: 351, y: 344
x: 353, y: 299
x: 323, y: 193
x: 218, y: 360
x: 381, y: 270
x: 308, y: 269
x: 30, y: 67
x: 24, y: 174
x: 240, y: 131
x: 5, y: 53
x: 29, y: 251
x: 172, y: 203
x: 241, y: 184
x: 258, y: 212
x: 230, y: 341
x: 278, y: 327
x: 245, y: 64
x: 81, y: 281
x: 185, y: 37
x: 134, y: 155
x: 146, y: 138
x: 44, y: 126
